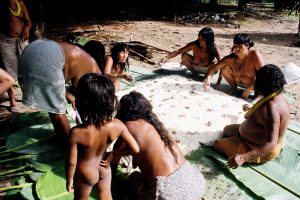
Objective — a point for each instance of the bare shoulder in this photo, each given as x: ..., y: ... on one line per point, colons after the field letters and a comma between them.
x: 253, y: 52
x: 279, y: 105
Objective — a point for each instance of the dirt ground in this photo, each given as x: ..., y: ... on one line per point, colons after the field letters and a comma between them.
x: 275, y: 38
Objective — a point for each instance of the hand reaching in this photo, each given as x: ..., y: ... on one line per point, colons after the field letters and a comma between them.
x: 206, y: 83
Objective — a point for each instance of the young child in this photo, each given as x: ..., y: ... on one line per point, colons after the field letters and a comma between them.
x: 116, y: 63
x: 164, y: 172
x: 96, y: 103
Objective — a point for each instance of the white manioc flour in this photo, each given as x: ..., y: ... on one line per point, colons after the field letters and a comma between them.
x: 187, y: 111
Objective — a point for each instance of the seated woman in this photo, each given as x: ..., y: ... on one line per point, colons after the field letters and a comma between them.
x: 116, y: 64
x: 205, y: 52
x: 164, y: 172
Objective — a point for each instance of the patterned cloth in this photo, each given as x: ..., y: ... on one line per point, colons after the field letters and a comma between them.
x: 185, y: 183
x: 42, y: 63
x: 10, y: 52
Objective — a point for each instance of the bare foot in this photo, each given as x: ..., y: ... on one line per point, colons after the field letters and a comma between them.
x: 14, y: 109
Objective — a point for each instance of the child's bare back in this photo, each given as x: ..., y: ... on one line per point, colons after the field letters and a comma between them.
x: 88, y: 142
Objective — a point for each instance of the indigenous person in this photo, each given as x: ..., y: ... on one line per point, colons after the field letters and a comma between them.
x: 6, y: 81
x: 240, y: 67
x: 97, y: 50
x: 164, y: 172
x: 116, y: 64
x: 46, y: 66
x: 96, y: 103
x: 205, y: 52
x: 15, y: 24
x: 260, y: 137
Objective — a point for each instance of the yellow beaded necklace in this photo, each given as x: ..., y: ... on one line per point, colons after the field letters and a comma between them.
x: 18, y: 12
x: 261, y: 101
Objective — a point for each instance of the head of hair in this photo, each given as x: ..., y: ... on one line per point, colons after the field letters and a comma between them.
x: 243, y: 38
x: 95, y: 100
x: 134, y: 106
x: 97, y: 50
x: 115, y: 50
x: 269, y: 79
x: 208, y: 35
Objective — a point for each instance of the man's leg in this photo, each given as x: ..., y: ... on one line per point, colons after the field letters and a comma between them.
x: 6, y: 81
x: 61, y: 125
x: 230, y: 132
x: 227, y: 73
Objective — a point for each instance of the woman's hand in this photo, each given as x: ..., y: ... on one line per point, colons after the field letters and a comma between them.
x: 128, y: 77
x: 162, y: 61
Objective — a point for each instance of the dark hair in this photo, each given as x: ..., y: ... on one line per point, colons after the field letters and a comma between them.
x: 134, y: 106
x: 269, y: 79
x: 96, y: 101
x: 243, y: 38
x: 208, y: 35
x: 97, y: 50
x: 115, y: 50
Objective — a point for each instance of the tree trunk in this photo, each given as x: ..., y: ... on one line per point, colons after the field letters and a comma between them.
x: 242, y: 4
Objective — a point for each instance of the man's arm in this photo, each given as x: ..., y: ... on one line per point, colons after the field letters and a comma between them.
x: 212, y: 70
x: 271, y: 121
x: 27, y: 22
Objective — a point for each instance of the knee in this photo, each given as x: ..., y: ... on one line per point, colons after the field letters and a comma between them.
x: 217, y: 146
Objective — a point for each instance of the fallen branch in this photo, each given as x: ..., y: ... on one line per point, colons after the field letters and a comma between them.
x: 141, y: 57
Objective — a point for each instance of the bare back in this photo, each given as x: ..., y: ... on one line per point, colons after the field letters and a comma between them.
x: 91, y: 144
x: 77, y: 63
x: 154, y: 158
x: 269, y: 122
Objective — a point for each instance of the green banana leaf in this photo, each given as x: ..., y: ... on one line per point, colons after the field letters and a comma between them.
x: 27, y: 193
x: 220, y: 183
x: 257, y: 182
x: 17, y: 122
x: 32, y: 140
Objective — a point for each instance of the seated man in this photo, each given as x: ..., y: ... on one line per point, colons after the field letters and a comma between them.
x: 46, y: 66
x: 260, y: 137
x: 240, y: 67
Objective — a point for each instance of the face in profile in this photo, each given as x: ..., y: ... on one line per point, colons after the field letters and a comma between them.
x: 122, y: 56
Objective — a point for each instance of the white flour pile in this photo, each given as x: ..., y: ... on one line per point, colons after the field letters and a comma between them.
x: 187, y: 111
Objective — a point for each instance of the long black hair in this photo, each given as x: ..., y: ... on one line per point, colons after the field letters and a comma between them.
x: 97, y: 50
x: 269, y: 79
x: 208, y: 35
x: 96, y: 101
x: 115, y: 50
x: 243, y: 38
x: 134, y: 106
